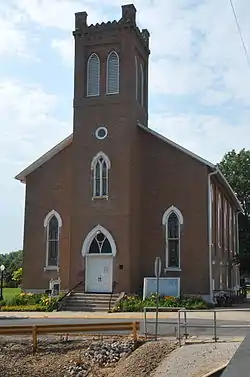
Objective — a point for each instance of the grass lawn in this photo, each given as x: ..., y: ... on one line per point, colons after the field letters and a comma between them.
x: 10, y: 292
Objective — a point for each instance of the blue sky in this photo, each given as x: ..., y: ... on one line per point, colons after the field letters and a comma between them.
x: 199, y: 82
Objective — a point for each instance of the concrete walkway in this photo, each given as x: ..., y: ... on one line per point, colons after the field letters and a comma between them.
x: 225, y: 314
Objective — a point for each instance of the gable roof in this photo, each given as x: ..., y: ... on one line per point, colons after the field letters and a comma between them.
x: 68, y: 140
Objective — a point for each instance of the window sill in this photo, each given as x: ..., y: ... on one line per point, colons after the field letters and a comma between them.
x: 100, y: 197
x: 175, y: 269
x: 51, y: 268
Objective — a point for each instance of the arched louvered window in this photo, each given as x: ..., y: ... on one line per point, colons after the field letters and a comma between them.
x: 100, y: 169
x: 113, y: 74
x: 52, y: 223
x: 93, y: 76
x: 172, y: 220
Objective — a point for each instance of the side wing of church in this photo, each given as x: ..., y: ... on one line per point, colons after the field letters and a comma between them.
x: 105, y: 202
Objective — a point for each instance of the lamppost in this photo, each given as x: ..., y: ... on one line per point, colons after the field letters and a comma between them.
x: 2, y: 268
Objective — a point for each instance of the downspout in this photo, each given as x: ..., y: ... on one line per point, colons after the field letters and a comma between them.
x: 210, y: 229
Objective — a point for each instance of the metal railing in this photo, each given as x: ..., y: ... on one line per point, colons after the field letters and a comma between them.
x: 154, y: 309
x: 59, y: 301
x: 215, y: 326
x: 98, y: 328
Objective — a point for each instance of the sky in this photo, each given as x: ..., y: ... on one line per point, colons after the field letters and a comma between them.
x: 199, y: 82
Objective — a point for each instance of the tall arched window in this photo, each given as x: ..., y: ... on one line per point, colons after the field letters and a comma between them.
x: 113, y: 74
x: 100, y: 168
x: 219, y: 220
x: 172, y: 220
x: 225, y: 223
x: 93, y: 76
x: 52, y: 223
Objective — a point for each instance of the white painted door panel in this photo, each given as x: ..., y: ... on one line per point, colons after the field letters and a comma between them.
x: 98, y: 273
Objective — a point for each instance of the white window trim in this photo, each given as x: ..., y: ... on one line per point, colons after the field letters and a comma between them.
x: 165, y: 218
x: 92, y: 234
x: 118, y: 74
x: 98, y: 59
x: 46, y: 224
x: 93, y: 166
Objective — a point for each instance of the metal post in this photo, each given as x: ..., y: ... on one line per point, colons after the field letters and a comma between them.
x: 215, y: 327
x: 145, y: 323
x: 1, y: 291
x: 185, y: 324
x: 34, y: 337
x: 179, y: 327
x: 157, y: 308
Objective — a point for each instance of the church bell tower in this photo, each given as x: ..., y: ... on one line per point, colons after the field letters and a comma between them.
x: 110, y: 98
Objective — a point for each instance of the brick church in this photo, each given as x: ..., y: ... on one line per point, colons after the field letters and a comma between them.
x: 105, y: 202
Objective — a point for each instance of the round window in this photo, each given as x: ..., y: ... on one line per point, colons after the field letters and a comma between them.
x: 101, y: 133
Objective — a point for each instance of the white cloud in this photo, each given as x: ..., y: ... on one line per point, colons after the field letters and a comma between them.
x: 196, y: 57
x: 65, y: 48
x: 13, y: 39
x: 28, y: 129
x: 209, y: 136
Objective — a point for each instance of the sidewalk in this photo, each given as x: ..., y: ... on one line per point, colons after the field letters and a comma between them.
x: 226, y: 315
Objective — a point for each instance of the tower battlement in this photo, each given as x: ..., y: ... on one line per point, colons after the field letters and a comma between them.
x: 128, y: 20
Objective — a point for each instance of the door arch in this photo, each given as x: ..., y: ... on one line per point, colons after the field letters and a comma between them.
x: 99, y: 250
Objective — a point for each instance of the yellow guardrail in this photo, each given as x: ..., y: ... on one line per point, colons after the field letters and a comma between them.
x: 35, y: 330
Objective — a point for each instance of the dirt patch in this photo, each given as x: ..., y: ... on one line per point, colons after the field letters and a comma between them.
x: 143, y: 360
x: 57, y: 357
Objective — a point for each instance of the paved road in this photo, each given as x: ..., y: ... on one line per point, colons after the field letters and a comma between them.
x: 165, y: 329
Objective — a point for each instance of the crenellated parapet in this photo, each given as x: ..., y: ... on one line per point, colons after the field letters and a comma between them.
x: 127, y: 21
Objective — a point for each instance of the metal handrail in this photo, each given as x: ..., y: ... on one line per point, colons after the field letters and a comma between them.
x: 66, y: 294
x: 114, y: 284
x: 215, y: 325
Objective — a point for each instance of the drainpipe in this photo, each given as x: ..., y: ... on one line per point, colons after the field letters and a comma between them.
x: 210, y: 229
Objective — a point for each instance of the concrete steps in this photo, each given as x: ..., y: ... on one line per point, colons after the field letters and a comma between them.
x: 89, y: 302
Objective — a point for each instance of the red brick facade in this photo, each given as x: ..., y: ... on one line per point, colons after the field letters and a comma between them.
x: 147, y: 175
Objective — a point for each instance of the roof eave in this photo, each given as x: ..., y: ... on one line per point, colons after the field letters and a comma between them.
x: 44, y: 158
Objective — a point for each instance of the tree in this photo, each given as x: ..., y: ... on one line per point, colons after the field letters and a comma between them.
x: 236, y: 169
x: 12, y: 262
x: 17, y: 275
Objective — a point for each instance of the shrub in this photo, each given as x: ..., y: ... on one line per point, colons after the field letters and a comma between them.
x: 31, y: 300
x: 137, y: 304
x: 24, y: 308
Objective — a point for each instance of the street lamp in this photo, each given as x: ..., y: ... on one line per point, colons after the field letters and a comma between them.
x: 2, y: 268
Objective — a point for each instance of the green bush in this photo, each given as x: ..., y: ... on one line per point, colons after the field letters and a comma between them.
x: 137, y: 304
x: 31, y: 300
x: 24, y: 308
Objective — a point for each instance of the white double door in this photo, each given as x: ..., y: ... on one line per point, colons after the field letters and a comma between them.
x: 98, y: 273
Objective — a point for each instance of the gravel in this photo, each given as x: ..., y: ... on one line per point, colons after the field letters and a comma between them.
x: 195, y: 360
x: 78, y: 357
x: 143, y: 360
